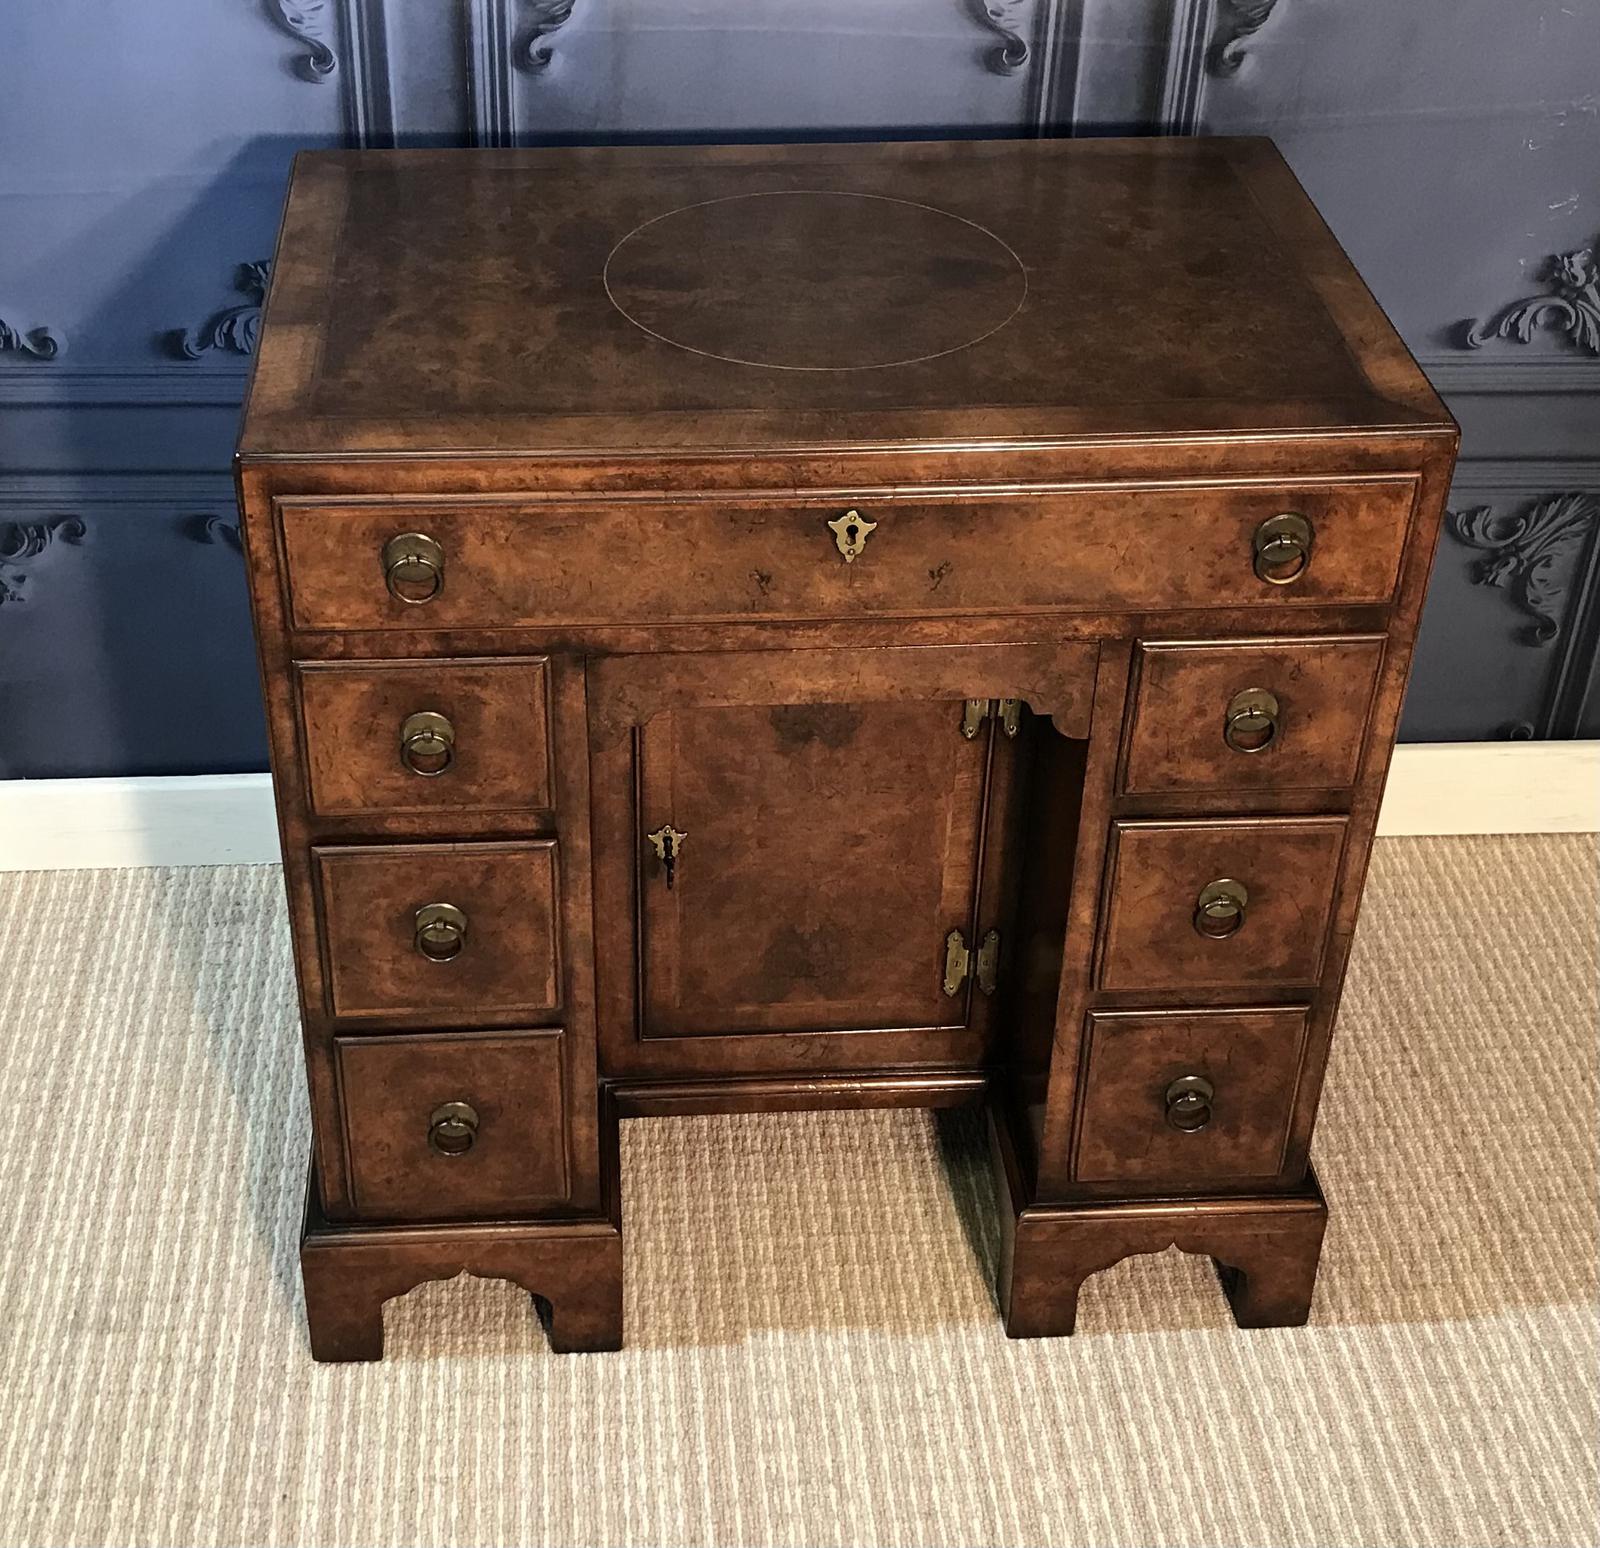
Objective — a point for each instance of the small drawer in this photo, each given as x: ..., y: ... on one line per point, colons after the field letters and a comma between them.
x: 463, y: 1124
x: 447, y: 931
x: 466, y: 564
x: 425, y: 736
x: 1195, y: 905
x: 1189, y: 1099
x: 1250, y: 715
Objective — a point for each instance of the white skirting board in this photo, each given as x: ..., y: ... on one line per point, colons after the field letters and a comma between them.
x: 227, y: 819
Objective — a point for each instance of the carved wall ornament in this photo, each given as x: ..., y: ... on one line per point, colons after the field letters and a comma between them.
x: 1532, y: 553
x: 1237, y: 22
x: 236, y: 327
x: 533, y: 53
x: 214, y: 529
x: 21, y: 541
x: 312, y: 23
x: 41, y: 343
x: 1572, y: 305
x: 1003, y: 19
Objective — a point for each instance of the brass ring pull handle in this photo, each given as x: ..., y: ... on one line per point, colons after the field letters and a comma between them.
x: 1251, y: 724
x: 427, y: 743
x: 1189, y: 1100
x: 1219, y: 910
x: 441, y: 931
x: 413, y: 568
x: 452, y: 1128
x: 1282, y: 548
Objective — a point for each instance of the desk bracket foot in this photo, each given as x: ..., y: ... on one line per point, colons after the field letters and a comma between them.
x: 1266, y: 1248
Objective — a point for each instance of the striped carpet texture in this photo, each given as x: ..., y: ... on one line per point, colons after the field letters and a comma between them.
x: 814, y: 1355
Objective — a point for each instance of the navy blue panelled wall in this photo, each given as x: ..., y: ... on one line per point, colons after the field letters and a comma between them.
x: 1454, y: 146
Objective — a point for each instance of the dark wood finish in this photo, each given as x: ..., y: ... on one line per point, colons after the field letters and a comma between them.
x: 412, y: 302
x: 1182, y: 691
x: 788, y: 771
x: 1155, y: 876
x: 778, y: 802
x: 509, y: 964
x: 626, y: 392
x: 573, y: 1268
x: 569, y: 564
x: 1266, y: 1250
x: 352, y: 715
x: 801, y: 1093
x: 517, y: 1160
x: 1252, y: 1058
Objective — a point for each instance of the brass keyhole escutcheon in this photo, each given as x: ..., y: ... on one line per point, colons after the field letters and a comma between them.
x: 1251, y: 724
x: 1219, y: 910
x: 667, y: 842
x: 850, y: 534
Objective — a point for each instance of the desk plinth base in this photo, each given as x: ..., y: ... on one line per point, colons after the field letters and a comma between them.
x: 349, y: 1271
x: 1265, y: 1248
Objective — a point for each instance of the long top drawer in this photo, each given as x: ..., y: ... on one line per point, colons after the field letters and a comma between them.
x: 450, y: 564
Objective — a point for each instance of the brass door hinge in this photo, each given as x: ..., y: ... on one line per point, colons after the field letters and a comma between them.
x: 975, y: 711
x: 959, y: 961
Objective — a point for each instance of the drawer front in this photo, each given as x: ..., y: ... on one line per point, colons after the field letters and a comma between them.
x: 1283, y: 871
x: 1189, y: 1098
x: 392, y: 952
x: 567, y: 564
x: 420, y: 736
x: 1251, y: 715
x: 469, y: 1124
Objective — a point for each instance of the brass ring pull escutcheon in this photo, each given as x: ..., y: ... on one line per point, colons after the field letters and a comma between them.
x: 1282, y: 547
x: 427, y: 743
x: 1219, y: 910
x: 1189, y: 1100
x: 413, y: 568
x: 452, y: 1128
x: 1251, y: 724
x: 441, y: 931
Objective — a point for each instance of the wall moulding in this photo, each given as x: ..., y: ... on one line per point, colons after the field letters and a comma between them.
x: 107, y: 492
x: 1461, y: 374
x: 236, y: 327
x: 222, y: 531
x: 534, y: 47
x: 1535, y: 553
x: 1205, y: 39
x: 1570, y: 306
x: 164, y: 385
x: 40, y: 343
x: 312, y: 23
x: 21, y: 542
x: 1237, y: 21
x: 506, y: 38
x: 1004, y: 19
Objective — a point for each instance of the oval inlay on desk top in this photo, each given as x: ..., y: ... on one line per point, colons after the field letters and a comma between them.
x: 815, y: 280
x: 775, y: 297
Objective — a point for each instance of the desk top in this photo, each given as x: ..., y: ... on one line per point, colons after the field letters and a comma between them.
x: 770, y: 298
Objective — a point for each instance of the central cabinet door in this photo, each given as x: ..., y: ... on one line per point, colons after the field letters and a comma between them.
x: 799, y: 856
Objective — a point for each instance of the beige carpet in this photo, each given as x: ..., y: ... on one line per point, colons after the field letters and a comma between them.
x: 814, y: 1353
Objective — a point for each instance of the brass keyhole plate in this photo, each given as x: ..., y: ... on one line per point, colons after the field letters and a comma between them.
x: 850, y: 534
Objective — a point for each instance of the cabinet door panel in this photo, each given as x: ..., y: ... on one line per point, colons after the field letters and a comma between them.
x: 836, y: 827
x: 829, y: 850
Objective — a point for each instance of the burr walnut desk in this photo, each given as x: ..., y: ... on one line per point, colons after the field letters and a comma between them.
x: 749, y: 629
